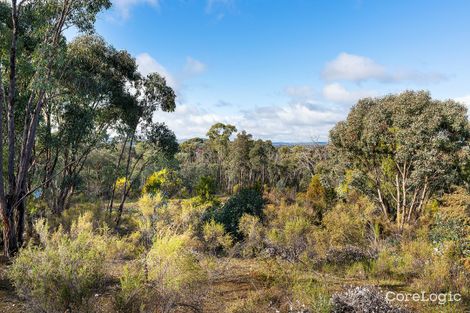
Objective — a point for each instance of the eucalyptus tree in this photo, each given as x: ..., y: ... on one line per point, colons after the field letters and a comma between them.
x: 153, y: 141
x: 240, y: 158
x: 93, y: 93
x: 150, y: 94
x: 259, y: 160
x: 196, y: 160
x: 219, y: 142
x: 30, y: 65
x: 402, y: 149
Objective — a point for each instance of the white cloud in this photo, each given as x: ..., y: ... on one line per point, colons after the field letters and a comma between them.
x: 359, y: 68
x: 335, y: 92
x: 123, y: 7
x: 191, y: 121
x: 194, y: 67
x: 300, y: 122
x: 147, y: 64
x: 352, y: 67
x: 464, y: 100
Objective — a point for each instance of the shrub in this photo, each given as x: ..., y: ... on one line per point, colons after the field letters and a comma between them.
x: 444, y: 273
x: 171, y: 264
x: 289, y: 229
x: 170, y: 277
x: 316, y: 198
x: 71, y: 215
x: 130, y: 298
x: 165, y: 181
x: 290, y: 240
x: 357, y: 270
x: 120, y: 183
x: 406, y: 260
x: 62, y: 273
x: 249, y: 201
x: 253, y: 235
x: 347, y: 224
x: 185, y: 215
x: 127, y: 247
x: 147, y: 216
x: 452, y: 221
x: 215, y: 239
x: 206, y: 188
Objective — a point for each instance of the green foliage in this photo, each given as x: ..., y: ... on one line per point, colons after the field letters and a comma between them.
x: 171, y: 264
x: 62, y: 273
x: 406, y: 261
x: 443, y: 273
x: 130, y: 298
x: 165, y: 181
x: 169, y: 276
x: 289, y: 229
x: 347, y: 223
x: 452, y: 221
x: 206, y: 188
x: 400, y: 146
x: 253, y: 235
x: 148, y: 206
x: 316, y: 197
x: 249, y: 201
x: 215, y: 239
x: 292, y: 237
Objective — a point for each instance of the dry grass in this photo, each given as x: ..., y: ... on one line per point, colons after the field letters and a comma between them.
x: 233, y: 281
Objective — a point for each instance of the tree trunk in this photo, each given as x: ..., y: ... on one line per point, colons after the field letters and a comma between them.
x: 19, y: 219
x: 125, y: 192
x: 11, y: 99
x: 121, y: 155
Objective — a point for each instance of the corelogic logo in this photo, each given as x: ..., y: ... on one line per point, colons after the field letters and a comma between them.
x: 440, y: 298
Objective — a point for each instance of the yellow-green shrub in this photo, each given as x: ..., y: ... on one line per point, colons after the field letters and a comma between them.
x: 165, y: 181
x: 171, y: 264
x: 168, y: 277
x: 131, y: 297
x: 62, y: 272
x: 291, y: 240
x: 444, y: 273
x: 127, y: 247
x: 347, y: 224
x: 405, y: 261
x: 357, y: 270
x: 253, y: 234
x: 149, y: 207
x: 215, y: 239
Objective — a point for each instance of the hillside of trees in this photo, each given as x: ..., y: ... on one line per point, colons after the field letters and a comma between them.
x: 103, y: 210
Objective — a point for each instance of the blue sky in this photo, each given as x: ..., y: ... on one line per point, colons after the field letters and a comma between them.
x: 288, y: 70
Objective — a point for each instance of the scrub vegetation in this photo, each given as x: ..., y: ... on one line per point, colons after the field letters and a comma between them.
x: 103, y: 210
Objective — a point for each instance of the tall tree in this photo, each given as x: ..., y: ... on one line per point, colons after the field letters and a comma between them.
x: 402, y: 149
x: 92, y: 95
x: 43, y: 22
x: 219, y: 140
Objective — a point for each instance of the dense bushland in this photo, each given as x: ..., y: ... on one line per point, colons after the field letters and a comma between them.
x: 103, y: 210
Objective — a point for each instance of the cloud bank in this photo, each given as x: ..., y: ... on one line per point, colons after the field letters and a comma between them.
x: 356, y: 68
